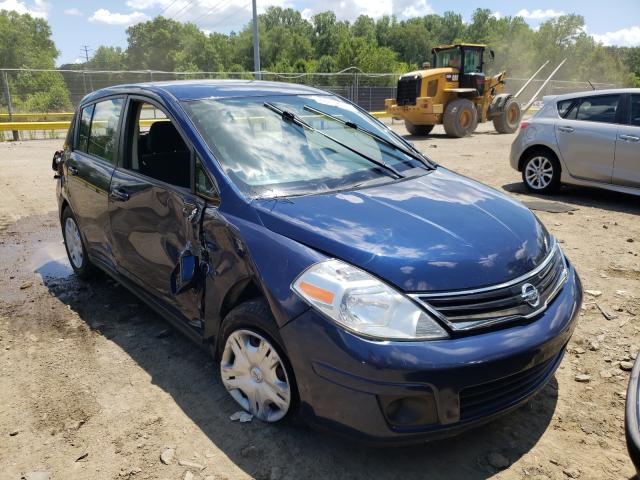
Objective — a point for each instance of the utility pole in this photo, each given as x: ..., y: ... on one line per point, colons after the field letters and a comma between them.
x: 85, y: 48
x: 7, y: 95
x: 256, y: 43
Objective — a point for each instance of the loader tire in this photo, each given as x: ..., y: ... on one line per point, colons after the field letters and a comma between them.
x: 414, y: 129
x: 509, y: 118
x: 460, y: 118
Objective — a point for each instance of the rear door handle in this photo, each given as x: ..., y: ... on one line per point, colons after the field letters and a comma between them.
x: 566, y: 129
x: 73, y: 170
x: 628, y: 138
x: 190, y: 210
x: 119, y: 195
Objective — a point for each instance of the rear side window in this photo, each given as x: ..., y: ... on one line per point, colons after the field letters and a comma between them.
x: 103, y: 136
x: 602, y: 108
x: 564, y: 106
x: 84, y: 128
x: 635, y: 110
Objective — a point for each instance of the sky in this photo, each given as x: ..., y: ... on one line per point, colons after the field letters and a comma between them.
x: 92, y: 23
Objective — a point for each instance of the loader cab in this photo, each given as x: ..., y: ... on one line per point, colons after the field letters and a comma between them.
x: 467, y: 59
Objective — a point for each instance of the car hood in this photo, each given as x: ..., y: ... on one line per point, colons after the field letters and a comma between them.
x: 439, y: 231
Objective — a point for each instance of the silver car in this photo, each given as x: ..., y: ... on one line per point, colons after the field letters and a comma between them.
x: 589, y: 138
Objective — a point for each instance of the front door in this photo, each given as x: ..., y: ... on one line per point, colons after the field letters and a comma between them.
x: 587, y: 137
x: 155, y: 217
x: 626, y: 170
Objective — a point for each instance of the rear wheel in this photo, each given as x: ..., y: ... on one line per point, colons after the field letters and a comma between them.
x: 509, y: 118
x: 253, y: 365
x: 414, y: 129
x: 460, y: 118
x: 541, y: 172
x: 74, y: 245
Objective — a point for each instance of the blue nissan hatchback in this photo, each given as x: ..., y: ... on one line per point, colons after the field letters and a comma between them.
x: 336, y: 273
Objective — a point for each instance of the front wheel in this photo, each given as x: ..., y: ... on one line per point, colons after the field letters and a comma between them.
x: 541, y: 173
x: 460, y: 118
x: 74, y: 245
x: 509, y: 118
x: 253, y: 366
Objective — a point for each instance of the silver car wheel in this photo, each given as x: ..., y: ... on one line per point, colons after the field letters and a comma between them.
x: 74, y: 243
x: 255, y: 376
x: 539, y: 172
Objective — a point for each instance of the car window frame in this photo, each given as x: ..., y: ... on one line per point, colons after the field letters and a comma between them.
x: 125, y: 145
x: 117, y: 150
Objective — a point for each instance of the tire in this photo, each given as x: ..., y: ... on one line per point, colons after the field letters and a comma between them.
x: 534, y: 177
x: 414, y: 129
x: 509, y: 118
x: 74, y: 245
x: 247, y: 327
x: 460, y: 118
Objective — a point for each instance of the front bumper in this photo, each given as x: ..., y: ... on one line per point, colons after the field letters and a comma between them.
x: 346, y: 382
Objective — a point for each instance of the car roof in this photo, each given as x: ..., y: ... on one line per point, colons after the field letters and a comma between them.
x: 198, y: 89
x: 590, y: 93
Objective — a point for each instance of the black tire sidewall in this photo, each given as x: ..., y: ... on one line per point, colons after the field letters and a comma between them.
x: 553, y: 185
x: 86, y: 268
x: 452, y: 115
x: 255, y: 316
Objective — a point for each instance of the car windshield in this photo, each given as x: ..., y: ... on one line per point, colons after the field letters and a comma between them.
x: 267, y: 155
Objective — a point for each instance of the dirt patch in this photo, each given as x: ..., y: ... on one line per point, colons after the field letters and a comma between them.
x: 93, y: 386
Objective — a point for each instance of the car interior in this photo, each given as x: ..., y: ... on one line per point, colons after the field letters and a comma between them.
x: 157, y: 150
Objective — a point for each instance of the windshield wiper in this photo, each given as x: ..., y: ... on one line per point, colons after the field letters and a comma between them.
x: 291, y: 117
x: 380, y: 138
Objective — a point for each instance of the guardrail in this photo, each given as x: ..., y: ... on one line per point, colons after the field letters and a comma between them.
x: 64, y: 124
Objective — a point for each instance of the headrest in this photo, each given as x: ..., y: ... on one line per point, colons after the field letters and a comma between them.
x: 163, y: 137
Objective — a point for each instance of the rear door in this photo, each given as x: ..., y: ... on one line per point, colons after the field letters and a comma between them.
x: 586, y: 136
x: 88, y: 170
x: 626, y: 170
x: 154, y: 212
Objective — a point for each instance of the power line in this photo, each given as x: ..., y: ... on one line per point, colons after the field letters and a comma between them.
x: 230, y: 15
x: 164, y: 10
x: 210, y: 12
x: 175, y: 15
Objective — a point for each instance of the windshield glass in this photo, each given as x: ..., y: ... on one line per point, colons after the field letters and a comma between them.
x: 267, y: 156
x: 450, y: 57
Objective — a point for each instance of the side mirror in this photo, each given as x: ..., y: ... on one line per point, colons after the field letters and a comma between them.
x: 57, y: 158
x: 492, y: 55
x: 183, y: 276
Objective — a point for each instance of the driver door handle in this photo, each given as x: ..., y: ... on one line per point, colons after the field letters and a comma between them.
x: 628, y: 138
x: 566, y: 129
x: 73, y: 170
x: 119, y: 195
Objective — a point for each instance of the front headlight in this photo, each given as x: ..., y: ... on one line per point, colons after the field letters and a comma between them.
x: 363, y: 304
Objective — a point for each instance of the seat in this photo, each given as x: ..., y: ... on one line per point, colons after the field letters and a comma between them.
x: 169, y: 159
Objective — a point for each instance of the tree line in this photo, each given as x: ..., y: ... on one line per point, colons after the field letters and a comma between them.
x: 290, y: 43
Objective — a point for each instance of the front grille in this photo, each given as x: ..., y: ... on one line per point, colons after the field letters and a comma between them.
x: 408, y: 90
x: 513, y: 301
x: 498, y: 394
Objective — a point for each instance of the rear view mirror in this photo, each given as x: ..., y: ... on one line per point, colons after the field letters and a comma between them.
x: 184, y: 275
x: 57, y: 158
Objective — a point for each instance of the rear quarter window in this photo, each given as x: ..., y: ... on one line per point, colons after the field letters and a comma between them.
x: 564, y: 106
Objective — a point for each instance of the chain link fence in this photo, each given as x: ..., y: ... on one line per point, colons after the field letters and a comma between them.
x: 51, y: 95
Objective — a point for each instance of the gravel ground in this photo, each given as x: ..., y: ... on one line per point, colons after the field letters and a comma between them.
x: 94, y: 386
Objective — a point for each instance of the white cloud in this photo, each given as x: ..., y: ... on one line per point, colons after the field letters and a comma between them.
x: 539, y: 14
x: 415, y: 9
x: 72, y: 11
x: 146, y: 4
x: 496, y: 15
x: 39, y: 9
x: 626, y: 37
x: 103, y: 15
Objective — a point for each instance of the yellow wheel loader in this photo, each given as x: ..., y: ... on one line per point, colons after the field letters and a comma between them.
x: 453, y: 91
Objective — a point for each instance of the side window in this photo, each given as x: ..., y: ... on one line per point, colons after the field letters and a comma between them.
x: 84, y: 127
x: 155, y: 148
x: 204, y: 185
x: 103, y: 136
x: 602, y: 108
x: 564, y: 106
x: 635, y: 110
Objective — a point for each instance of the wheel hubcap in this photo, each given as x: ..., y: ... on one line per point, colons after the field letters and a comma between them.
x: 254, y: 375
x: 74, y: 242
x: 539, y: 172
